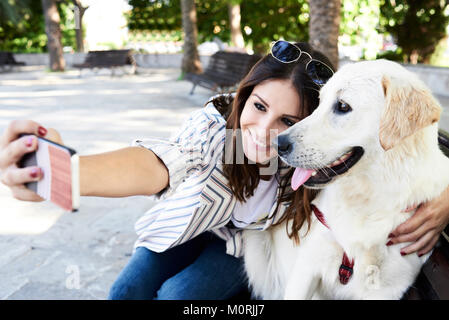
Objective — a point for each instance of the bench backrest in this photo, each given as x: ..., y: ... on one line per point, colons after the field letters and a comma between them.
x: 7, y: 58
x: 109, y: 57
x: 230, y: 66
x: 3, y: 57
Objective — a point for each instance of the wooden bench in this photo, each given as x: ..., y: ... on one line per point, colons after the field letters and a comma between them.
x: 433, y: 280
x: 224, y: 71
x: 110, y: 59
x: 7, y: 60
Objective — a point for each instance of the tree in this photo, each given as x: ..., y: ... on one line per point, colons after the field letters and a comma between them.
x: 234, y: 22
x: 416, y: 25
x: 53, y: 31
x: 262, y: 21
x: 324, y: 27
x: 191, y: 60
x: 79, y: 13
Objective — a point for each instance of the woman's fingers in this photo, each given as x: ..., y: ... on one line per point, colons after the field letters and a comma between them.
x: 18, y: 127
x: 22, y: 193
x: 15, y: 150
x: 412, y: 236
x: 18, y: 176
x: 429, y: 246
x: 427, y: 241
x: 54, y: 136
x: 414, y: 222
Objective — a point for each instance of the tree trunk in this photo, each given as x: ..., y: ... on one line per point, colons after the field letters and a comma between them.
x: 236, y: 30
x: 324, y: 27
x: 53, y: 32
x: 191, y: 59
x: 79, y: 13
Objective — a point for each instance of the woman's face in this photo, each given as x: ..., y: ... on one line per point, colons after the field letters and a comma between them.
x: 272, y: 107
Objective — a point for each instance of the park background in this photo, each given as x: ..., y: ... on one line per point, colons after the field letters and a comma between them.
x: 46, y: 253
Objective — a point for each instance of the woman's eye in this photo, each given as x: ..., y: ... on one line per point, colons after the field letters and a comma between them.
x: 342, y: 107
x: 259, y: 106
x: 287, y: 122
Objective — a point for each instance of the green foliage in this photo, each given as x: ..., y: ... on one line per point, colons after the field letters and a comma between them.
x: 359, y: 19
x: 22, y: 26
x: 262, y: 20
x: 416, y: 25
x: 154, y: 15
x: 274, y: 19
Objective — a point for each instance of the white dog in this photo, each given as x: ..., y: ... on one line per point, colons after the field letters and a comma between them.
x: 372, y: 143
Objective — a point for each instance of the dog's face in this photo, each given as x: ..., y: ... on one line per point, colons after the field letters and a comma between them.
x: 365, y: 109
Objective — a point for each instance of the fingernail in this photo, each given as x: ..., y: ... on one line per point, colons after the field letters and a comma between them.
x: 29, y: 141
x: 403, y: 253
x: 420, y: 255
x: 391, y: 235
x: 389, y: 243
x: 34, y: 173
x: 42, y: 131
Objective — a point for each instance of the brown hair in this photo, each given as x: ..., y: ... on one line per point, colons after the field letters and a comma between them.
x: 243, y: 179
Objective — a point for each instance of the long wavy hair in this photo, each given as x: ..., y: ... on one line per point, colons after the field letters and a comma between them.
x: 244, y: 178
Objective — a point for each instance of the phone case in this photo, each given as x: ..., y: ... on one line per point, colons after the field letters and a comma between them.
x: 60, y: 164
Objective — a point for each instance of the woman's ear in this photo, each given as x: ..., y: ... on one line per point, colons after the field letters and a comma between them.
x: 409, y: 107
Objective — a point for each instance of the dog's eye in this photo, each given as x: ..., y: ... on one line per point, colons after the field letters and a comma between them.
x: 342, y: 107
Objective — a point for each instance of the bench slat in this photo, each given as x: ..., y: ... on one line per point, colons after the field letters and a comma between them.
x: 224, y: 70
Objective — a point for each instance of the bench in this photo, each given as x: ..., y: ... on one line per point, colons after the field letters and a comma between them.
x: 7, y: 59
x: 433, y: 281
x: 224, y: 71
x: 110, y: 59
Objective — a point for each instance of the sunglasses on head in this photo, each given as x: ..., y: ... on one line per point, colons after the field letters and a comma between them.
x: 286, y: 52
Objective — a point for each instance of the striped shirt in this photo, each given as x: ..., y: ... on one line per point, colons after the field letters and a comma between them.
x: 198, y: 197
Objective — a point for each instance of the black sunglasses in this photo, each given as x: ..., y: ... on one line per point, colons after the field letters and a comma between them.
x: 287, y: 52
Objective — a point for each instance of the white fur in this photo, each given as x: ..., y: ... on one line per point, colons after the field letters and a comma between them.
x: 362, y: 206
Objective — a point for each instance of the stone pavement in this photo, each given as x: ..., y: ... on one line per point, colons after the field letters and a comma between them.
x: 46, y: 253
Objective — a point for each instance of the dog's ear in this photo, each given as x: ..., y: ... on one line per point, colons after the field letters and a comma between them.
x: 409, y: 107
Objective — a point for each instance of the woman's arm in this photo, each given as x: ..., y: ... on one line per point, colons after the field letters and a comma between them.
x: 121, y: 173
x: 125, y: 172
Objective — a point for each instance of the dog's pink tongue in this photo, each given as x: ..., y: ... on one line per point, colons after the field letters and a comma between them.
x: 300, y: 176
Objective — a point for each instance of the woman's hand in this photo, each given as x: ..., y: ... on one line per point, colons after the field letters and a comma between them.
x: 424, y: 227
x: 13, y: 148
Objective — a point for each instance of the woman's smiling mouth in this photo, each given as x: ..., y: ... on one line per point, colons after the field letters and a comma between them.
x: 260, y: 146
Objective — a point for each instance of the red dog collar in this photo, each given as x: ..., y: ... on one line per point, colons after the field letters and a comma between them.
x: 346, y: 267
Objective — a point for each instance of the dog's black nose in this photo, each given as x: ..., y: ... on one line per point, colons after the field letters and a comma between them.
x: 283, y: 144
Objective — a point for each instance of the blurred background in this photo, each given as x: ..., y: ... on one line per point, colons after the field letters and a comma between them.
x: 401, y: 30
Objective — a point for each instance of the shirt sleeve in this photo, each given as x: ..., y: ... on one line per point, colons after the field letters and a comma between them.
x: 188, y: 150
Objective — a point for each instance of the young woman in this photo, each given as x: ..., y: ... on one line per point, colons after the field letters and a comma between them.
x: 189, y: 244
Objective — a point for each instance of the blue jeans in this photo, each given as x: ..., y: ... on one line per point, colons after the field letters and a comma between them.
x: 197, y: 269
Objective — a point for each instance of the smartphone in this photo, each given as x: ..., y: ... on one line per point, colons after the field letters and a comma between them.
x: 60, y: 166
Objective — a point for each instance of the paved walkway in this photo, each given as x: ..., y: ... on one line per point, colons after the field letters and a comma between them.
x: 46, y: 253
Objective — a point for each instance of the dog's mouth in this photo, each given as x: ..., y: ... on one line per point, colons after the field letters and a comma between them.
x: 315, y: 178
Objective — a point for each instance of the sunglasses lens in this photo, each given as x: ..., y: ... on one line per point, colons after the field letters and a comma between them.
x: 285, y: 51
x: 319, y: 72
